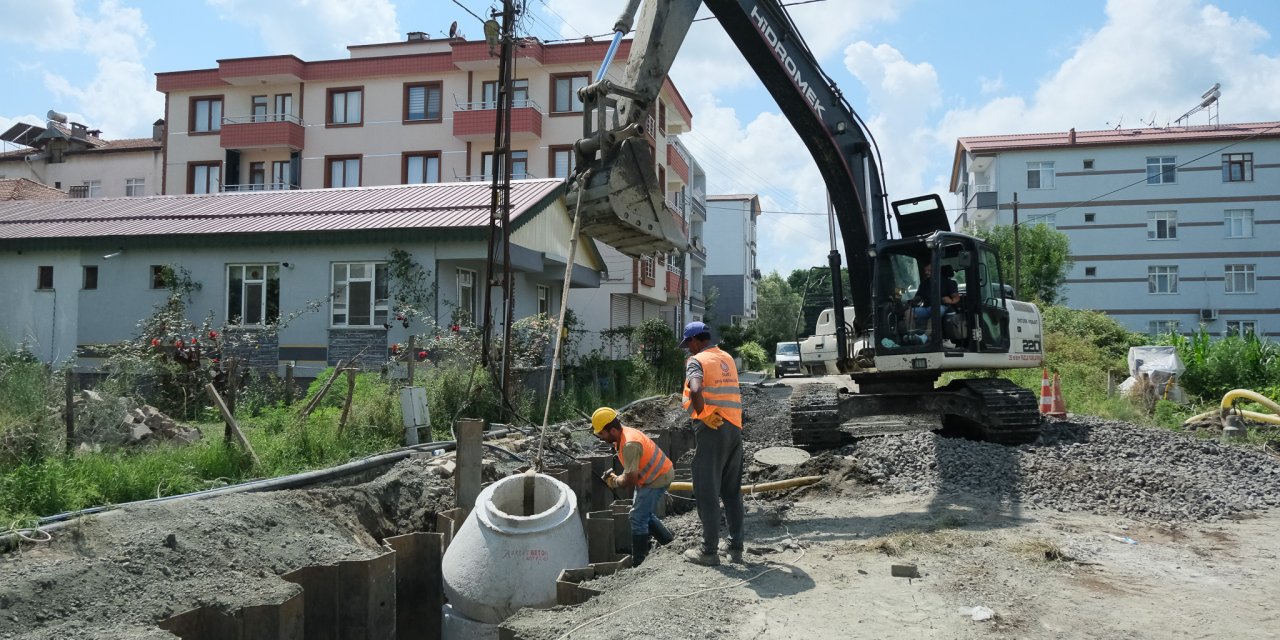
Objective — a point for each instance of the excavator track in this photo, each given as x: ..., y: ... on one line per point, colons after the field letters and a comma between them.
x: 991, y: 409
x: 1012, y: 413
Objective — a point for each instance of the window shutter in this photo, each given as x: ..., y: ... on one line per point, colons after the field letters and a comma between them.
x: 434, y: 97
x: 417, y: 103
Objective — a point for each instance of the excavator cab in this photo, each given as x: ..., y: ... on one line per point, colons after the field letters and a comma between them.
x: 941, y: 292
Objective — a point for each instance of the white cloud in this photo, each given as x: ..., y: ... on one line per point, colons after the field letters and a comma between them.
x: 991, y: 85
x: 314, y: 29
x: 39, y: 23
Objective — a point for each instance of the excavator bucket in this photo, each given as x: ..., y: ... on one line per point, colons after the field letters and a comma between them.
x: 622, y: 206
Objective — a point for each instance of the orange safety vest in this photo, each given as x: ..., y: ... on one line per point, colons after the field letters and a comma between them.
x: 653, y: 462
x: 720, y: 391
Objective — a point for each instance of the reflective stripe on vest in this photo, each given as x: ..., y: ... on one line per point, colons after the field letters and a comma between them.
x: 720, y: 391
x: 653, y: 462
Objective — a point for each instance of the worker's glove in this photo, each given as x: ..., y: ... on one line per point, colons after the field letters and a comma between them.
x: 714, y: 421
x: 612, y: 481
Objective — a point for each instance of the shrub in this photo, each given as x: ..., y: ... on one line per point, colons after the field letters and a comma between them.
x: 1216, y: 366
x: 754, y: 357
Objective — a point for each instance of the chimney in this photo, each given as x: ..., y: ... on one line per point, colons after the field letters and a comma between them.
x: 157, y: 130
x: 1071, y: 136
x: 415, y: 36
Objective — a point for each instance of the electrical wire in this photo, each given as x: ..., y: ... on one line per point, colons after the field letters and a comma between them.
x: 468, y: 10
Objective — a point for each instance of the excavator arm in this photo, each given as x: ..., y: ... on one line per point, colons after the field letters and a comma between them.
x: 613, y: 159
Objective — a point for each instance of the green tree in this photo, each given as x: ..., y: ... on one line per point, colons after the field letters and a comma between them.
x: 817, y: 296
x: 778, y: 306
x: 1046, y: 259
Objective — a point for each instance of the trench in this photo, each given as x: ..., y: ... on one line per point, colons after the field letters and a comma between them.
x: 399, y: 592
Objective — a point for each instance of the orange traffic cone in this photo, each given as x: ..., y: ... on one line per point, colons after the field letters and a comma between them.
x: 1059, y: 408
x: 1046, y: 393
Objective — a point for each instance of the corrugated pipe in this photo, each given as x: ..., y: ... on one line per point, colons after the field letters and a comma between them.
x: 1225, y: 408
x: 61, y: 520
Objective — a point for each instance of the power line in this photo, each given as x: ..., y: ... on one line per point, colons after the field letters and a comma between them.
x: 468, y: 10
x: 703, y: 19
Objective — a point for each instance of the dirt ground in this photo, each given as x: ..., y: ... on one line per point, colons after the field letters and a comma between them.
x: 822, y: 570
x: 1028, y: 533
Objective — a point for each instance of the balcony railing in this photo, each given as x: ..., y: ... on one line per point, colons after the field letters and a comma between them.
x: 675, y: 213
x: 259, y: 186
x: 697, y: 248
x: 519, y: 175
x: 263, y: 117
x: 476, y: 120
x: 489, y: 105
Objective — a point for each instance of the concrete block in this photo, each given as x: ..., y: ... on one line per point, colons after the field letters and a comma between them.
x: 904, y: 571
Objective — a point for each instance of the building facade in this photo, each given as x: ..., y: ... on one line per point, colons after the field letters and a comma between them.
x: 302, y: 276
x: 71, y: 157
x: 419, y: 111
x: 731, y: 257
x: 1170, y: 228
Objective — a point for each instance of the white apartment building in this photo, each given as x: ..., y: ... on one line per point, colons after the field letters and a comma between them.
x: 1170, y: 228
x: 71, y: 157
x: 418, y: 111
x: 731, y: 257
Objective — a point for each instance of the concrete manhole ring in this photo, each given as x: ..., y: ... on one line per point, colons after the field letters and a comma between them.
x: 781, y: 456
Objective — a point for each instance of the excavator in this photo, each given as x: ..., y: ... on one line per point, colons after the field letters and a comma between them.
x: 925, y: 300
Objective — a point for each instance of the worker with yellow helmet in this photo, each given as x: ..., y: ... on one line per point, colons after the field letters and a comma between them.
x: 644, y: 467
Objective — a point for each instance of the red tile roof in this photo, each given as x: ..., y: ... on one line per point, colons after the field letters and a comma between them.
x: 24, y: 189
x: 455, y: 205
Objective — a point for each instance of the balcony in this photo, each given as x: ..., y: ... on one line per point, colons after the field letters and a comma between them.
x: 477, y: 121
x: 677, y: 163
x: 676, y: 285
x: 697, y: 249
x: 684, y: 225
x: 263, y: 131
x: 983, y: 203
x: 258, y: 186
x: 697, y: 209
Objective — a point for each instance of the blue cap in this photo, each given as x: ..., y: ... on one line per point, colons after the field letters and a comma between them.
x: 693, y: 329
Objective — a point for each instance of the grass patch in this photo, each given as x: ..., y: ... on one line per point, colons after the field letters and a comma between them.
x: 908, y: 541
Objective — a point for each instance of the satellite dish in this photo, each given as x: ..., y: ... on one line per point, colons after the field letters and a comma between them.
x: 453, y: 29
x: 1213, y: 91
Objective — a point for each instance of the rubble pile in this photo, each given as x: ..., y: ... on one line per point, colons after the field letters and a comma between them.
x: 122, y: 422
x: 1087, y: 464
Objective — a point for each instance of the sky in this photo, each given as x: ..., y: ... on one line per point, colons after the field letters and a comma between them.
x: 920, y: 72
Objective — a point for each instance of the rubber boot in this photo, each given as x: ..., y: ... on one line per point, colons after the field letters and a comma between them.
x: 639, y: 548
x: 660, y: 532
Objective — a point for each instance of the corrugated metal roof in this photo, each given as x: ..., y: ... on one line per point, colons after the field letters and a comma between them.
x: 977, y: 144
x: 424, y: 206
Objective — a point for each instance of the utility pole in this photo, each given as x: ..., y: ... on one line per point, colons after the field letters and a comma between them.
x: 1017, y: 250
x: 500, y: 201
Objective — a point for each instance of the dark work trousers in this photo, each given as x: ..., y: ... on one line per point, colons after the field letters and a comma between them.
x: 717, y: 475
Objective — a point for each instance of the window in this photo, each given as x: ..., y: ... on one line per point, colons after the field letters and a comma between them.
x: 253, y: 294
x: 421, y: 168
x: 1162, y: 225
x: 544, y: 300
x: 1242, y: 328
x: 1050, y: 219
x: 1239, y: 278
x: 206, y: 114
x: 1161, y: 170
x: 204, y: 177
x: 1088, y: 165
x: 467, y: 295
x: 1162, y: 279
x: 44, y: 277
x: 342, y: 171
x: 1162, y: 327
x: 1237, y: 167
x: 257, y: 176
x: 1239, y: 223
x: 519, y: 94
x: 94, y: 189
x: 1090, y: 272
x: 422, y: 102
x: 284, y: 106
x: 280, y: 175
x: 90, y: 277
x: 135, y: 187
x: 159, y: 277
x: 344, y: 107
x: 1040, y: 175
x: 564, y: 93
x: 662, y: 117
x: 359, y: 294
x: 1090, y: 217
x: 259, y: 108
x: 648, y: 271
x: 562, y: 162
x: 519, y: 165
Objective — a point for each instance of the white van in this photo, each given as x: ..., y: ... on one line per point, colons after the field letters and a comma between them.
x: 786, y: 359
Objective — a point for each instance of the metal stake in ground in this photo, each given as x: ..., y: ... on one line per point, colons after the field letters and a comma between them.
x: 560, y: 330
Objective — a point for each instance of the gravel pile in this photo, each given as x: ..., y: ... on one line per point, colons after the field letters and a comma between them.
x: 1085, y: 465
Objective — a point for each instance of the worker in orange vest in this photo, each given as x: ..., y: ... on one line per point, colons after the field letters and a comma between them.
x: 714, y: 401
x: 644, y: 467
